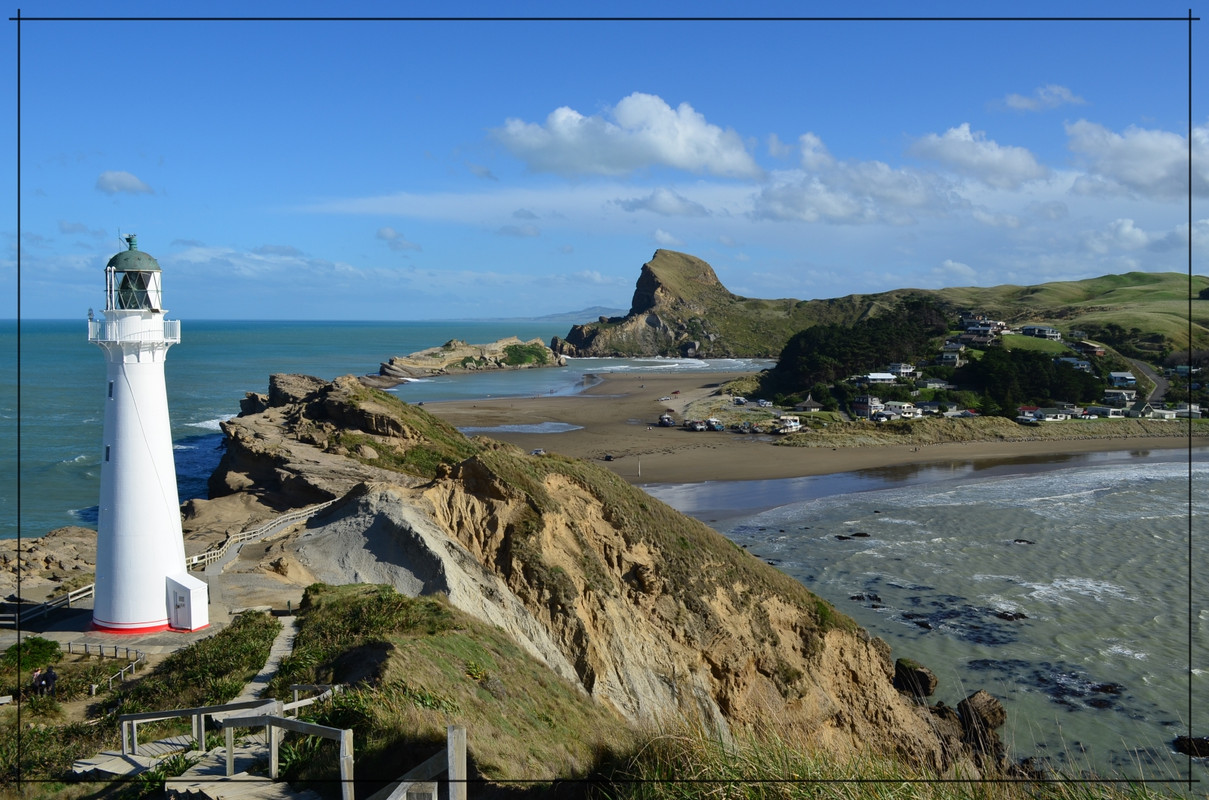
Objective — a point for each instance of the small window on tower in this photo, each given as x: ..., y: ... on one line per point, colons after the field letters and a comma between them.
x: 106, y: 452
x: 111, y: 390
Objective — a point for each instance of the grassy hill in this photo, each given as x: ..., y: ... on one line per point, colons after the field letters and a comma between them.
x: 680, y: 307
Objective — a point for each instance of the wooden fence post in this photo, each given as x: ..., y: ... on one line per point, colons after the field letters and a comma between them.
x: 229, y: 733
x: 346, y: 765
x: 456, y: 750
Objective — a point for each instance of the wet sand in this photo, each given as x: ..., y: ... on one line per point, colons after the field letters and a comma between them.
x: 617, y: 417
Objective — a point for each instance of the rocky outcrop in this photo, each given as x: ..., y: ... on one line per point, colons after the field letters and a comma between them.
x: 648, y: 611
x: 62, y: 560
x: 458, y: 356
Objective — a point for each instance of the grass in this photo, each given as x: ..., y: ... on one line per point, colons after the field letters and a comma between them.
x: 209, y: 672
x: 688, y: 764
x: 746, y: 327
x: 437, y: 666
x: 1015, y: 341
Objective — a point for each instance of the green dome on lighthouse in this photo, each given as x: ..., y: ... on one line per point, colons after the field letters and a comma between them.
x: 133, y: 259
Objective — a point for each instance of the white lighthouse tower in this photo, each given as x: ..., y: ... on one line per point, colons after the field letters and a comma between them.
x: 142, y: 584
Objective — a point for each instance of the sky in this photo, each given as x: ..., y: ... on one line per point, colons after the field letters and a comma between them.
x: 475, y: 168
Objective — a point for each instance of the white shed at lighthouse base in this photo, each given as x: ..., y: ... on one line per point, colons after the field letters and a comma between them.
x: 188, y: 602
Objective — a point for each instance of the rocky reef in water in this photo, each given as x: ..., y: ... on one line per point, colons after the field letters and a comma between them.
x: 457, y: 356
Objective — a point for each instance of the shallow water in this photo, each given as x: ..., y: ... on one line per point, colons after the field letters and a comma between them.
x: 1068, y: 593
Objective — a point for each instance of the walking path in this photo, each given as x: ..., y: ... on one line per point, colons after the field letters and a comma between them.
x: 207, y: 778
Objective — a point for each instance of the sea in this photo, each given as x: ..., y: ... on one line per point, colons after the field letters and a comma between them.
x: 1070, y: 587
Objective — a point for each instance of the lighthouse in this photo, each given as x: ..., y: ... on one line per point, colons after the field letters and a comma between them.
x: 142, y: 584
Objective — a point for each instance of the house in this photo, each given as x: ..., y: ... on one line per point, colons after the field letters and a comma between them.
x: 1190, y: 410
x: 902, y: 408
x: 1119, y: 397
x: 1140, y: 409
x: 976, y: 341
x: 1042, y: 332
x: 866, y: 405
x: 951, y: 358
x: 1051, y: 414
x: 928, y: 407
x: 1104, y: 411
x: 1163, y: 413
x: 901, y: 370
x: 1074, y: 363
x: 1122, y: 380
x: 932, y: 383
x: 1086, y: 348
x: 880, y: 377
x: 809, y: 405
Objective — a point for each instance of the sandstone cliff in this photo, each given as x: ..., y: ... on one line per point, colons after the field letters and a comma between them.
x: 649, y: 611
x: 458, y: 356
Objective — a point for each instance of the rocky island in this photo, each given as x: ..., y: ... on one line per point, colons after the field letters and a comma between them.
x: 457, y: 356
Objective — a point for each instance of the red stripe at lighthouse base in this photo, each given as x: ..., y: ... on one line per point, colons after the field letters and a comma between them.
x: 129, y: 629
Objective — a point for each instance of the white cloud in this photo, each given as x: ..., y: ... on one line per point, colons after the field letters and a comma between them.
x: 115, y: 182
x: 950, y: 270
x: 665, y: 202
x: 1120, y: 234
x: 1152, y: 163
x: 853, y: 192
x: 666, y: 239
x: 524, y: 213
x: 777, y: 148
x: 594, y: 277
x: 395, y: 240
x: 970, y: 153
x: 808, y: 199
x: 815, y: 155
x: 1050, y: 96
x: 641, y: 131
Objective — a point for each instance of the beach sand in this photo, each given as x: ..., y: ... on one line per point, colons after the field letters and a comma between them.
x: 617, y: 417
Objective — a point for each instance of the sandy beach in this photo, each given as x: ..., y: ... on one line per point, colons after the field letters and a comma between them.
x: 617, y: 417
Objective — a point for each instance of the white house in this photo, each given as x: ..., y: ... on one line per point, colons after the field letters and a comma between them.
x: 902, y: 408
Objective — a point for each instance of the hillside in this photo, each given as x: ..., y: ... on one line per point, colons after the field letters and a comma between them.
x: 651, y: 613
x: 680, y: 308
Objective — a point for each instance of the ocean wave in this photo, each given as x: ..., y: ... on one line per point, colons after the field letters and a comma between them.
x: 1060, y: 590
x: 209, y: 424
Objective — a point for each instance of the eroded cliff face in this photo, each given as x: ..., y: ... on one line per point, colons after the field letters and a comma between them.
x: 649, y: 611
x: 737, y: 648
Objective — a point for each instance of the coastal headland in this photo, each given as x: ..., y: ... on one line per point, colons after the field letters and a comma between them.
x: 614, y: 423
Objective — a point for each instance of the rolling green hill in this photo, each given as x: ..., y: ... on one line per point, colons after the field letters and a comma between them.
x: 681, y: 308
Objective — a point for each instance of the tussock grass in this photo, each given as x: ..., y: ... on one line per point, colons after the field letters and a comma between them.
x: 687, y: 764
x: 435, y: 666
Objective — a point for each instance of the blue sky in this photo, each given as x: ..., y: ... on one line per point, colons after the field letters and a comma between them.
x: 468, y: 169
